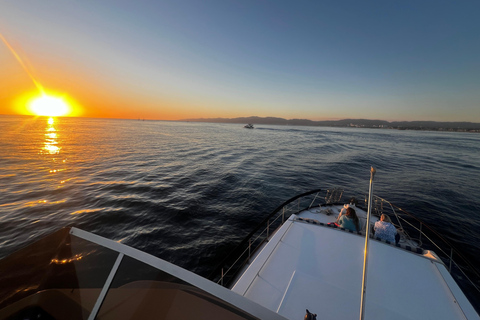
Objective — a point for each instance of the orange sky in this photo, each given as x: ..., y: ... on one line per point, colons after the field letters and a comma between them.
x: 89, y: 92
x: 93, y: 93
x: 171, y: 61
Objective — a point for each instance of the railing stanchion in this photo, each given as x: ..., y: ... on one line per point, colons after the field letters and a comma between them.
x: 315, y: 198
x: 420, y: 237
x: 451, y: 259
x: 221, y: 279
x: 268, y: 228
x: 249, y: 247
x: 283, y: 215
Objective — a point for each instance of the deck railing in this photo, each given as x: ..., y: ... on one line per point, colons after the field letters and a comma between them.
x: 427, y: 238
x: 243, y: 253
x: 413, y: 229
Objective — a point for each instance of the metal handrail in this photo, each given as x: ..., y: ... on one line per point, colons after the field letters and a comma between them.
x: 258, y: 240
x: 255, y: 240
x: 442, y: 252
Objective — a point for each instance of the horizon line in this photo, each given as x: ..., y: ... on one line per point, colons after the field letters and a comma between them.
x: 241, y: 117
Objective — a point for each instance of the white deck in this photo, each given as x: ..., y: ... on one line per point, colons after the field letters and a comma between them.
x: 307, y: 266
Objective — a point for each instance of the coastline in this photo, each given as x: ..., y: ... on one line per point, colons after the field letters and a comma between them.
x: 352, y: 123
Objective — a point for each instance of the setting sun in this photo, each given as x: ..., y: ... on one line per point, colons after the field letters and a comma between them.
x: 49, y: 106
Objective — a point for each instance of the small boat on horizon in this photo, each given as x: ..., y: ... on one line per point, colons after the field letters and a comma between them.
x: 249, y: 126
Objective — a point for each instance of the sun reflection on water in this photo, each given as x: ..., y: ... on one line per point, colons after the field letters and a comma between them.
x: 76, y: 257
x: 51, y: 143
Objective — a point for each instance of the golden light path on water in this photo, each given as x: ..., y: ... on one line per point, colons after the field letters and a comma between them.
x: 51, y: 143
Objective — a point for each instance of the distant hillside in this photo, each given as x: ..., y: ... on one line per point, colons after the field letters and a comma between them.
x: 359, y: 123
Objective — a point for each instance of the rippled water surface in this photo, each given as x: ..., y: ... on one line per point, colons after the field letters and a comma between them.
x: 188, y: 192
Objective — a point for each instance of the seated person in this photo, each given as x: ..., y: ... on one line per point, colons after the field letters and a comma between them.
x: 385, y: 230
x: 349, y: 220
x: 342, y: 212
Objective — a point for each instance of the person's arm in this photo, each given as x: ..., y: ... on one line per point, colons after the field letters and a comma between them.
x: 340, y: 214
x: 340, y: 221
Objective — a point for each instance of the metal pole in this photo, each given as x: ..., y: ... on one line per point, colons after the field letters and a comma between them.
x: 249, y: 246
x: 420, y: 236
x: 365, y: 254
x: 451, y: 259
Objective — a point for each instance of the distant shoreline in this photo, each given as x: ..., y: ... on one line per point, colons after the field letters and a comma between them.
x: 352, y: 123
x: 344, y: 123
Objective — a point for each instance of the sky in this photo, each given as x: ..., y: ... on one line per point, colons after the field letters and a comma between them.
x: 170, y: 60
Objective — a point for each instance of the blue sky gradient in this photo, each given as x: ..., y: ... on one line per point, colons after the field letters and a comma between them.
x: 391, y: 60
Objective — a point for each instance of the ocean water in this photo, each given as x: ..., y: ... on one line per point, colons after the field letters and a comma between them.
x: 189, y: 192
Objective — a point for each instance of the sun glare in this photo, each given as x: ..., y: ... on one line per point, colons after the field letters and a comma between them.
x: 49, y: 106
